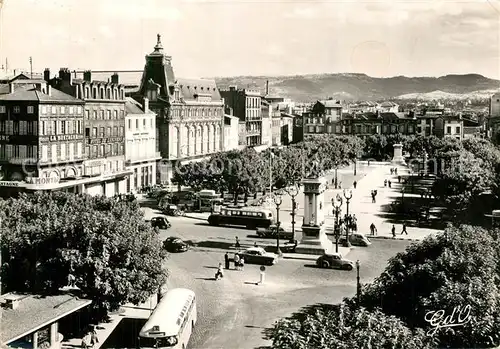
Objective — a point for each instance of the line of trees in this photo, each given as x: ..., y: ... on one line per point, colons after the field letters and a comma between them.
x: 247, y: 171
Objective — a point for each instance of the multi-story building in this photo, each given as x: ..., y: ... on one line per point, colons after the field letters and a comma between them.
x: 449, y: 126
x: 388, y: 107
x: 104, y: 129
x: 286, y: 128
x: 493, y: 123
x: 41, y: 139
x: 190, y: 113
x: 231, y: 138
x: 323, y: 118
x: 140, y: 144
x: 367, y: 124
x: 266, y: 112
x: 246, y: 105
x: 298, y: 129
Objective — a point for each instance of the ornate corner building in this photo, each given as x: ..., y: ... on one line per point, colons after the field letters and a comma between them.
x: 189, y: 113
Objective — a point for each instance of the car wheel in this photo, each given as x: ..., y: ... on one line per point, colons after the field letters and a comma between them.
x: 348, y: 267
x: 325, y: 264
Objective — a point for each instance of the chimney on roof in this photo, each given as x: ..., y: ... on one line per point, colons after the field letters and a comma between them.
x: 46, y: 74
x: 146, y: 105
x: 12, y: 303
x: 65, y: 76
x: 114, y: 78
x: 233, y: 88
x: 11, y: 88
x: 49, y: 90
x: 267, y: 87
x: 87, y: 75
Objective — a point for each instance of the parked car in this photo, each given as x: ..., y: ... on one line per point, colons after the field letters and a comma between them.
x: 257, y: 255
x: 356, y: 239
x: 270, y: 232
x: 160, y: 223
x: 175, y: 244
x: 289, y: 246
x: 334, y: 261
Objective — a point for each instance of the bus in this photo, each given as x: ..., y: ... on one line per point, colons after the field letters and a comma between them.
x: 248, y: 217
x: 172, y: 322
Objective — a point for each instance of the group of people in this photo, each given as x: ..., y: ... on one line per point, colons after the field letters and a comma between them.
x: 90, y: 338
x: 239, y: 264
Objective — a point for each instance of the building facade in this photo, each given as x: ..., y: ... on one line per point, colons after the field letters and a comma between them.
x: 140, y: 144
x: 189, y: 113
x: 246, y: 106
x: 41, y: 139
x: 104, y: 129
x: 323, y: 118
x: 231, y: 138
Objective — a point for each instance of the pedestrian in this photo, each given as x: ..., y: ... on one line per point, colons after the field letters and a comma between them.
x: 93, y: 337
x: 255, y: 244
x: 236, y: 260
x: 242, y: 263
x: 237, y: 244
x: 404, y: 230
x: 86, y: 340
x: 392, y: 170
x: 340, y: 185
x: 393, y: 231
x: 373, y: 229
x: 385, y: 182
x: 368, y: 162
x: 226, y: 260
x: 354, y: 223
x: 389, y: 182
x: 395, y: 171
x: 399, y: 179
x: 373, y: 197
x: 219, y: 274
x: 354, y: 184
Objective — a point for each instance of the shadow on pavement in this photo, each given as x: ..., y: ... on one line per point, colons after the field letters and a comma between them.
x: 212, y: 244
x: 206, y: 279
x: 125, y: 334
x: 210, y: 267
x: 311, y: 266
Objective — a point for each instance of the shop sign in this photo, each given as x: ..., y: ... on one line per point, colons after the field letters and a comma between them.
x: 10, y: 184
x: 42, y: 180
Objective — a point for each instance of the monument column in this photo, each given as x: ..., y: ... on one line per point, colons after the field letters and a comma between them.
x: 314, y: 240
x: 398, y: 154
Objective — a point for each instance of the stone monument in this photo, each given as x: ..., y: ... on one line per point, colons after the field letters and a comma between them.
x: 314, y: 240
x: 398, y: 154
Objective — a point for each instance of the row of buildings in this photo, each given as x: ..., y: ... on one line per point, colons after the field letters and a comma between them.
x: 89, y: 136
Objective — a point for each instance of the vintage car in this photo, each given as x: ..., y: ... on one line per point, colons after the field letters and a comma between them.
x: 175, y: 244
x: 270, y: 232
x: 334, y: 261
x: 257, y: 255
x: 356, y: 239
x: 160, y: 223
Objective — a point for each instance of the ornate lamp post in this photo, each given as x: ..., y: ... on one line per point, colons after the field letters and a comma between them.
x: 277, y: 201
x: 348, y: 197
x: 358, y: 285
x: 293, y: 191
x: 336, y: 211
x: 355, y: 165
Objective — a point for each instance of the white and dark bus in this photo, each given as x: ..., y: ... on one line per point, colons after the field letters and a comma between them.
x: 250, y: 218
x: 172, y: 322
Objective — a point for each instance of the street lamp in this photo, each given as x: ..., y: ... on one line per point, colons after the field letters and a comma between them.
x: 355, y: 163
x: 348, y: 197
x: 336, y: 212
x: 336, y: 179
x: 358, y: 286
x: 293, y: 191
x: 277, y: 201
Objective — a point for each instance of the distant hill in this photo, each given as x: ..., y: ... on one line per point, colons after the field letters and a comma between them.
x: 440, y: 95
x: 361, y: 86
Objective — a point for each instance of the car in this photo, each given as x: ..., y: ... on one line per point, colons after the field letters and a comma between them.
x: 160, y: 223
x: 270, y: 232
x: 334, y: 261
x: 356, y: 239
x: 257, y: 255
x: 175, y: 244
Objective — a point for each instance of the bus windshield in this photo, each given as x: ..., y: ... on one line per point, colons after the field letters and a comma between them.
x: 159, y: 342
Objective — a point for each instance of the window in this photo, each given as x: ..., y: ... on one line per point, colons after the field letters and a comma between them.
x: 129, y: 124
x: 122, y: 130
x: 44, y: 109
x: 54, y: 153
x: 45, y: 153
x: 79, y: 127
x: 63, y: 151
x: 102, y: 114
x: 115, y: 131
x: 79, y: 147
x: 144, y: 123
x: 54, y: 110
x: 94, y: 114
x: 94, y: 151
x: 115, y: 114
x: 71, y: 110
x: 101, y: 150
x: 62, y: 129
x: 115, y: 149
x: 94, y: 132
x: 101, y: 132
x: 108, y: 150
x: 108, y: 131
x: 87, y: 150
x: 457, y: 130
x: 63, y: 110
x: 121, y: 114
x: 17, y: 109
x: 108, y: 114
x: 16, y: 127
x: 79, y: 110
x: 2, y: 109
x: 71, y: 151
x: 31, y: 109
x: 448, y: 129
x: 136, y: 124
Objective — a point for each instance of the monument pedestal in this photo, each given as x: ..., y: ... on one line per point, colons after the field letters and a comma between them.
x: 314, y: 241
x: 398, y: 155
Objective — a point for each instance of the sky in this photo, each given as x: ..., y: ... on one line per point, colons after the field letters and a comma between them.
x: 254, y: 37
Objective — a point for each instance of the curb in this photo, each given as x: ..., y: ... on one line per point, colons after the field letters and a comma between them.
x: 291, y: 256
x: 389, y: 238
x: 192, y: 217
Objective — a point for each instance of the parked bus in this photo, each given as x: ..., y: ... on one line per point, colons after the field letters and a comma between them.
x: 172, y: 322
x: 248, y: 217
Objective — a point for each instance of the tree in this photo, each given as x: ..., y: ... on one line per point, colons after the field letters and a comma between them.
x: 375, y: 146
x: 195, y: 175
x: 115, y: 256
x: 461, y: 184
x: 345, y: 326
x: 456, y: 268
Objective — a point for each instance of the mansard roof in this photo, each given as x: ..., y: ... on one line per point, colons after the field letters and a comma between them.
x: 190, y: 88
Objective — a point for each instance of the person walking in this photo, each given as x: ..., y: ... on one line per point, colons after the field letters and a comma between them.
x: 236, y: 260
x: 373, y: 197
x: 385, y: 183
x: 392, y: 171
x: 354, y: 221
x: 93, y: 337
x: 242, y: 263
x: 389, y: 183
x: 354, y: 184
x: 219, y: 274
x: 373, y: 229
x: 395, y: 170
x: 226, y: 260
x: 237, y: 244
x: 399, y: 179
x: 393, y: 230
x: 86, y: 340
x: 404, y: 229
x: 255, y: 244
